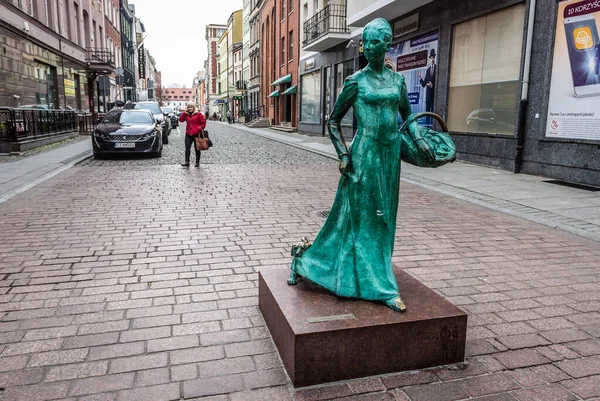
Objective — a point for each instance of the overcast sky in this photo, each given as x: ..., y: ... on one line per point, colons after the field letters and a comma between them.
x: 175, y: 32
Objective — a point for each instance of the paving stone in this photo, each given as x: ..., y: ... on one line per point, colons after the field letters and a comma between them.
x: 328, y: 392
x: 224, y: 337
x: 58, y: 357
x: 521, y: 358
x: 54, y: 332
x: 31, y: 347
x: 197, y: 355
x: 136, y: 363
x: 225, y: 367
x: 583, y: 367
x: 450, y: 391
x: 526, y: 377
x: 523, y: 341
x: 548, y: 392
x: 212, y: 386
x: 21, y: 378
x: 366, y: 386
x: 461, y: 371
x: 166, y: 320
x: 152, y: 377
x: 37, y: 392
x: 488, y: 384
x: 550, y: 373
x: 479, y: 347
x: 586, y: 347
x: 115, y: 351
x: 91, y: 340
x: 184, y: 372
x: 276, y: 393
x: 101, y: 384
x: 196, y: 328
x: 145, y: 334
x: 585, y: 388
x: 13, y: 363
x: 248, y: 348
x: 76, y: 371
x: 264, y: 378
x: 172, y: 343
x: 164, y: 392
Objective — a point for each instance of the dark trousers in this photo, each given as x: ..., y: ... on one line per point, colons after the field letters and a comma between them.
x: 189, y: 142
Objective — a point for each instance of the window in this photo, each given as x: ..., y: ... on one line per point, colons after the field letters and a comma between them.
x: 283, y: 9
x: 291, y: 7
x: 310, y: 109
x: 484, y: 72
x: 30, y: 8
x: 291, y: 45
x: 76, y: 30
x: 282, y: 50
x: 46, y: 15
x: 342, y: 71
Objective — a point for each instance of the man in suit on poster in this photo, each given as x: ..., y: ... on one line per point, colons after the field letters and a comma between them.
x: 429, y: 84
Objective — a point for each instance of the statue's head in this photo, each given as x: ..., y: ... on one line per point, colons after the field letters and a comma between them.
x: 377, y: 39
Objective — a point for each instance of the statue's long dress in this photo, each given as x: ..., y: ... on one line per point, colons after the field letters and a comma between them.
x: 352, y: 254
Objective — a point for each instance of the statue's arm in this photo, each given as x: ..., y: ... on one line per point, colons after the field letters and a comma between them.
x: 341, y: 107
x: 405, y: 109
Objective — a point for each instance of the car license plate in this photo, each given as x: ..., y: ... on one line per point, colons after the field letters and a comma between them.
x: 124, y: 145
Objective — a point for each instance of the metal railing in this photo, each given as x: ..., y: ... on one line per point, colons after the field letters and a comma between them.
x: 330, y: 19
x: 18, y: 125
x: 99, y: 56
x: 253, y: 114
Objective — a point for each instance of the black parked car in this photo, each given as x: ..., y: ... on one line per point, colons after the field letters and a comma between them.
x: 127, y: 131
x: 168, y: 111
x: 154, y: 108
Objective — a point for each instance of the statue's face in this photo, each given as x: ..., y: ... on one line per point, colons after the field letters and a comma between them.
x: 374, y: 45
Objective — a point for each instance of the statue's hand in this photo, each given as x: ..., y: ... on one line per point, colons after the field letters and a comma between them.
x: 424, y: 148
x: 344, y: 165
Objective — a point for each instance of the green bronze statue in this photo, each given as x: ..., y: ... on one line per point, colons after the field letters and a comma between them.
x: 352, y: 254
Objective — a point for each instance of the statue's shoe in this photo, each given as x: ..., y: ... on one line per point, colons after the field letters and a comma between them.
x: 396, y: 304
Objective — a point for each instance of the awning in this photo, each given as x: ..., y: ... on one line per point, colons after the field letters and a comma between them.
x: 283, y: 80
x: 274, y: 94
x: 291, y: 90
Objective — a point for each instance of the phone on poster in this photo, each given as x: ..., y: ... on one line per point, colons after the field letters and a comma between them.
x: 584, y: 51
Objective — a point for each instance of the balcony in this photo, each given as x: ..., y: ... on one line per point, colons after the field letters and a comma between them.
x: 100, y: 60
x: 326, y: 29
x: 361, y: 12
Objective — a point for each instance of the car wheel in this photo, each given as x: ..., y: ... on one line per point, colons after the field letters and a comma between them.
x: 98, y: 156
x: 158, y: 154
x: 165, y: 139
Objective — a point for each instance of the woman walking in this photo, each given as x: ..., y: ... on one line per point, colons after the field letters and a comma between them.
x: 194, y: 124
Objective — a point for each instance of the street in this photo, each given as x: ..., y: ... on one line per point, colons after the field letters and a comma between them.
x: 136, y: 279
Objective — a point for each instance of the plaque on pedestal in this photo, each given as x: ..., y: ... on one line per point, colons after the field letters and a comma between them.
x: 323, y: 338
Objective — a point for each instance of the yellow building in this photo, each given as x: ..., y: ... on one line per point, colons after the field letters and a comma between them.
x: 222, y: 69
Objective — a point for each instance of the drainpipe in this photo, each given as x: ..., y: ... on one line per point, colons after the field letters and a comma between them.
x: 525, y: 89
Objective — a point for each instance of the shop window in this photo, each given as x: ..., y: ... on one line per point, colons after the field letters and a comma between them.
x: 484, y: 72
x: 342, y: 71
x: 310, y: 109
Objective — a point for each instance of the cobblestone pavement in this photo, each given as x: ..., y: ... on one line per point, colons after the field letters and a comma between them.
x: 140, y: 283
x: 230, y: 147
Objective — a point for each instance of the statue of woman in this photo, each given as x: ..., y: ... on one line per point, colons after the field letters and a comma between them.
x: 352, y: 255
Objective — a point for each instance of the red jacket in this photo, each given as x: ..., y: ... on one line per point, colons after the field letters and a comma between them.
x: 194, y: 123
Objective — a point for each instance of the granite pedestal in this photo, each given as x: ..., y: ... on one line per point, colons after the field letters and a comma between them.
x: 322, y: 338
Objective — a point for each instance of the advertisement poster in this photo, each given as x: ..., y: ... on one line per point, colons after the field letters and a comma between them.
x: 69, y: 87
x: 574, y: 109
x: 416, y: 59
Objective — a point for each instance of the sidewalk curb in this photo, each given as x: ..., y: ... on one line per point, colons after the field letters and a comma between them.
x: 19, y: 190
